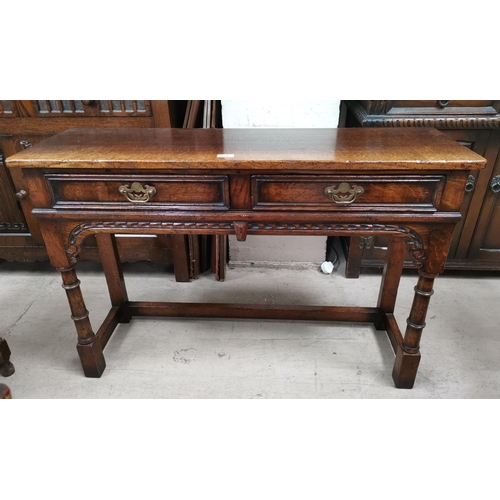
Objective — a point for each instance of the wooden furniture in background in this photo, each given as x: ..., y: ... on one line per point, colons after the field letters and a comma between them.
x: 474, y: 124
x: 6, y: 367
x: 207, y: 114
x: 25, y: 123
x: 406, y: 184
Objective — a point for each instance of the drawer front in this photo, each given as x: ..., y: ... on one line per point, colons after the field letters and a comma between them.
x: 443, y: 107
x: 140, y: 191
x: 347, y: 192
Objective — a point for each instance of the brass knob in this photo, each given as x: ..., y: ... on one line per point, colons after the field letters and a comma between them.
x: 25, y: 144
x: 21, y: 195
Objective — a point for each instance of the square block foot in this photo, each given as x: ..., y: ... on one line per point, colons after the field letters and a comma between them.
x: 405, y: 369
x: 92, y: 358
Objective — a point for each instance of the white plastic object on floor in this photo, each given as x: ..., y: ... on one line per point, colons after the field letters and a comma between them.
x: 327, y: 267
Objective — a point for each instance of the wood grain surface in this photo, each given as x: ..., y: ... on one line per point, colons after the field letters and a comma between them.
x: 295, y: 149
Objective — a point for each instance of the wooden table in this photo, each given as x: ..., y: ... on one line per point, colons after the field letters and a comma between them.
x: 347, y: 182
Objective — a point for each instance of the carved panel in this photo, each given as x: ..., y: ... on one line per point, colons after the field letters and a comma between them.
x: 80, y: 232
x: 10, y: 227
x: 80, y: 108
x: 8, y: 109
x: 378, y: 107
x: 461, y: 122
x: 375, y: 116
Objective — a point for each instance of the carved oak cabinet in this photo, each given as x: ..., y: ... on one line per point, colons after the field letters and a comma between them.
x: 406, y: 185
x: 26, y: 123
x: 474, y: 124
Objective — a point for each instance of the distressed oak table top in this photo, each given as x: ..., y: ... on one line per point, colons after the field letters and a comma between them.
x: 256, y: 149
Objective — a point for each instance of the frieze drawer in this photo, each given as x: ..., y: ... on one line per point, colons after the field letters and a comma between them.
x: 140, y: 191
x: 347, y: 192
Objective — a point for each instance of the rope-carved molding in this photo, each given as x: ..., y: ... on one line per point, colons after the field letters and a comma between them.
x: 376, y: 118
x: 15, y: 226
x: 80, y: 232
x: 440, y: 123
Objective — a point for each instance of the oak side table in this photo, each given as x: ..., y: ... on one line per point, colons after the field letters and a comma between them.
x: 406, y: 183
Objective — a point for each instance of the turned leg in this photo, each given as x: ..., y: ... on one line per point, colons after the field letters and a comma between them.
x: 436, y: 244
x: 408, y: 354
x: 89, y: 346
x: 110, y: 259
x: 6, y: 367
x: 390, y: 280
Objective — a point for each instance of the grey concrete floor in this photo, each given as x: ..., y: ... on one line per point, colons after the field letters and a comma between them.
x: 196, y: 358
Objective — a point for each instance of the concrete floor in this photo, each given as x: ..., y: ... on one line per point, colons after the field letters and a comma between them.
x: 183, y: 358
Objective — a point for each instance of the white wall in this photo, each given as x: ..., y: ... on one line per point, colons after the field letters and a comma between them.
x: 279, y: 114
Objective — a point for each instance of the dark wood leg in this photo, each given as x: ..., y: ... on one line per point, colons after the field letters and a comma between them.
x: 181, y: 257
x: 6, y: 367
x: 408, y: 354
x: 436, y: 244
x: 89, y: 346
x: 110, y: 259
x: 390, y: 279
x: 353, y: 257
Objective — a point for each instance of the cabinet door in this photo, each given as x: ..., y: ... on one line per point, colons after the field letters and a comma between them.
x: 11, y: 216
x: 485, y: 243
x: 12, y: 219
x: 12, y: 182
x: 18, y: 143
x: 375, y: 249
x: 477, y: 140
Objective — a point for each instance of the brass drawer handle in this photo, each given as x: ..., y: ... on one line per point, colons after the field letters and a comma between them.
x: 25, y: 144
x: 443, y: 104
x: 344, y: 194
x: 136, y: 193
x: 495, y: 184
